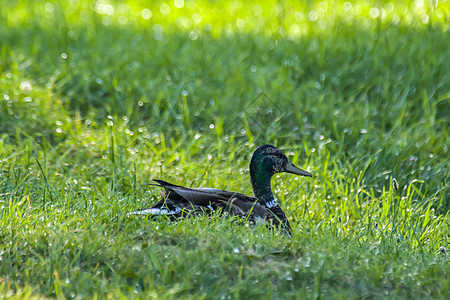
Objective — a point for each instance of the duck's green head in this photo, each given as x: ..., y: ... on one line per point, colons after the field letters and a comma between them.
x: 268, y: 160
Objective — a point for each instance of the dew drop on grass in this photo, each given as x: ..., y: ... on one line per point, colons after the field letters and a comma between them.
x: 390, y: 7
x: 236, y: 250
x: 347, y: 6
x: 197, y: 136
x: 374, y: 12
x: 140, y: 103
x: 363, y: 131
x: 193, y: 35
x: 146, y: 13
x: 164, y: 9
x: 211, y: 126
x: 395, y: 19
x: 313, y: 16
x: 123, y: 20
x: 26, y: 86
x: 64, y: 55
x: 179, y: 3
x: 49, y: 7
x: 240, y: 23
x: 197, y: 18
x: 413, y: 158
x: 257, y: 10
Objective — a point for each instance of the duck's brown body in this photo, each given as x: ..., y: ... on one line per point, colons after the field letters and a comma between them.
x: 178, y: 201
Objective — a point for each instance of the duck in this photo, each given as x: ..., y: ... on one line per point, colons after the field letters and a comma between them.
x: 267, y: 160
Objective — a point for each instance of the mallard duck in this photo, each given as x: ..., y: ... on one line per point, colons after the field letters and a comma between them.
x: 267, y: 160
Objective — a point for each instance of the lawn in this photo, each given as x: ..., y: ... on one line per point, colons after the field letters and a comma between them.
x: 99, y: 97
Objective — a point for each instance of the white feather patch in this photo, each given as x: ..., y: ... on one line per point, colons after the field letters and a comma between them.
x: 272, y: 203
x: 157, y: 211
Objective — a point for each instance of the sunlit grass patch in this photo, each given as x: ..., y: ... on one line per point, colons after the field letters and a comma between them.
x: 272, y: 18
x: 99, y: 97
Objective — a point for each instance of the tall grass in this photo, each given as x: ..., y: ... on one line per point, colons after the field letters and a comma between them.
x: 98, y: 98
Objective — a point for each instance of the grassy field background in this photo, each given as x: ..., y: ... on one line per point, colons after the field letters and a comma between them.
x: 99, y: 97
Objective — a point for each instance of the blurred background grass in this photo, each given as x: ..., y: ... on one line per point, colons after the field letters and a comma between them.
x: 98, y: 97
x: 368, y: 81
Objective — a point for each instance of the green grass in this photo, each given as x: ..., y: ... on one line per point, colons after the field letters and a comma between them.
x: 98, y: 98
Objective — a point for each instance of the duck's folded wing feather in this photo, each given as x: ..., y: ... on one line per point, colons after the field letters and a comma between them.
x: 176, y: 199
x: 202, y: 196
x: 196, y: 196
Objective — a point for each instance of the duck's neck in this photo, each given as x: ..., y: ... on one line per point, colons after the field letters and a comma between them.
x: 261, y: 185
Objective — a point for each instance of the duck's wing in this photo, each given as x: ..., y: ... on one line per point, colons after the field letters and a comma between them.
x: 232, y: 202
x: 177, y: 201
x: 197, y: 196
